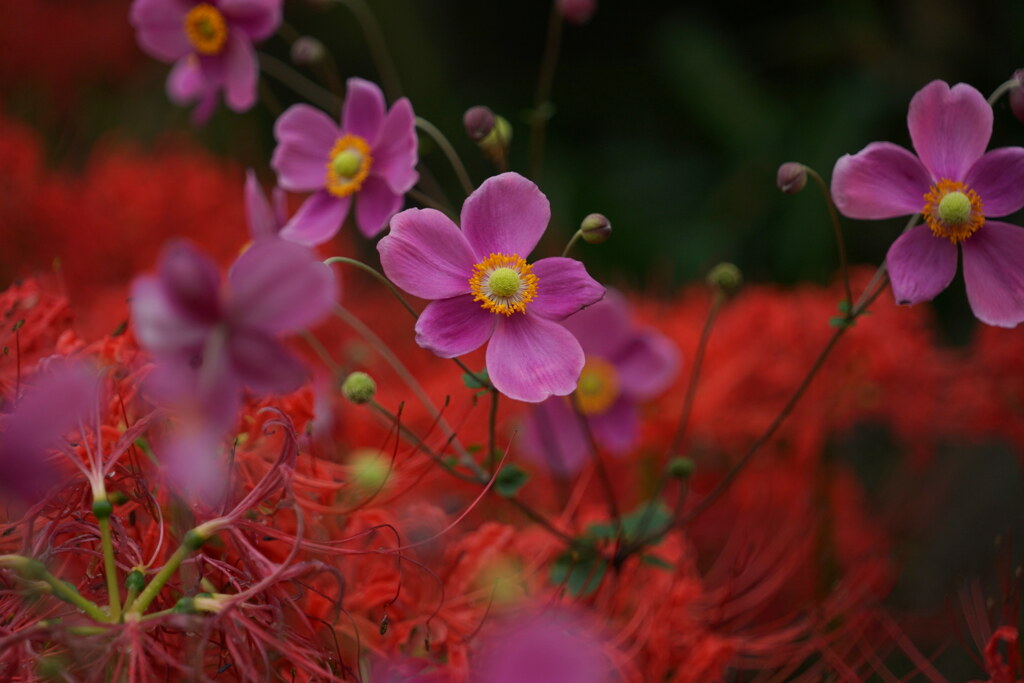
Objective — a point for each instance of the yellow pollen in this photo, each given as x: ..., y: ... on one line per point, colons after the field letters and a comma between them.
x: 503, y: 283
x: 598, y: 386
x: 349, y: 165
x: 206, y: 29
x: 952, y: 210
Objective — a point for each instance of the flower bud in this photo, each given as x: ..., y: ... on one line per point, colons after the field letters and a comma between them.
x: 1016, y: 95
x: 359, y: 387
x: 595, y: 229
x: 726, y: 277
x: 576, y: 11
x: 680, y: 467
x: 497, y: 141
x: 792, y: 177
x: 479, y: 121
x: 135, y: 581
x: 307, y: 51
x: 370, y: 469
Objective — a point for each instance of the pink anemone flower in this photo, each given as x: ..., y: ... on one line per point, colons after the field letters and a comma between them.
x: 210, y: 44
x: 625, y: 365
x: 265, y: 218
x: 957, y: 187
x: 482, y: 287
x: 370, y: 158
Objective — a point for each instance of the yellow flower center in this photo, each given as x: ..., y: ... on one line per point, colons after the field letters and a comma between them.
x: 598, y: 386
x: 349, y: 165
x: 206, y: 29
x: 953, y: 210
x: 503, y: 283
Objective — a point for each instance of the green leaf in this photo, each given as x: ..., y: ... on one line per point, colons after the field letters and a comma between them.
x: 478, y: 380
x: 646, y: 519
x: 580, y: 574
x: 510, y: 479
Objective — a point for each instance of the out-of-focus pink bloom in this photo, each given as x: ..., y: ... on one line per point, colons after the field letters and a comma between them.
x: 577, y: 11
x: 210, y: 43
x: 957, y: 186
x: 483, y: 288
x: 211, y: 339
x: 550, y: 647
x: 625, y: 365
x: 370, y: 158
x: 60, y: 396
x: 265, y: 219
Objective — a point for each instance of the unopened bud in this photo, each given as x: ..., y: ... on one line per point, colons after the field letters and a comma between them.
x: 307, y: 51
x: 792, y: 177
x: 479, y: 121
x: 497, y: 141
x: 595, y: 229
x: 359, y: 387
x: 102, y: 508
x: 370, y: 469
x: 726, y: 277
x: 135, y: 581
x: 680, y: 467
x: 1016, y: 95
x: 576, y: 11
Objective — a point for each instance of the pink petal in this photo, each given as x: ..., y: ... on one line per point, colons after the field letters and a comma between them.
x: 394, y: 151
x: 363, y: 110
x: 554, y: 437
x: 263, y: 364
x: 950, y: 128
x: 240, y: 73
x: 191, y: 281
x: 161, y: 28
x: 563, y: 287
x: 618, y: 428
x: 453, y: 327
x: 258, y: 19
x: 194, y: 464
x: 920, y: 265
x: 426, y: 255
x: 262, y: 222
x: 603, y: 328
x: 185, y: 82
x: 647, y: 365
x: 530, y: 358
x: 318, y: 219
x: 305, y: 137
x: 994, y: 273
x: 998, y: 178
x: 507, y: 214
x: 375, y: 204
x: 159, y: 324
x: 881, y: 181
x: 278, y: 286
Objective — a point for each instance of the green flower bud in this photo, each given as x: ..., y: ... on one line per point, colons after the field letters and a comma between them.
x: 595, y: 229
x: 194, y: 540
x: 725, y: 277
x: 102, y: 508
x: 497, y: 141
x: 307, y: 51
x: 370, y: 469
x: 135, y: 581
x: 359, y: 387
x: 680, y: 467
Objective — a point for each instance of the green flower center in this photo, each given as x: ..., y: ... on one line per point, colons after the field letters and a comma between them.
x: 347, y: 163
x: 504, y: 282
x: 955, y: 208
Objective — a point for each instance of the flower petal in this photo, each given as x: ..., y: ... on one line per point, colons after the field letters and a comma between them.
x: 278, y: 286
x: 998, y: 178
x: 507, y: 214
x: 453, y: 327
x: 185, y: 82
x: 530, y: 358
x: 920, y: 265
x: 240, y: 73
x: 880, y: 181
x: 363, y: 110
x: 563, y: 288
x: 305, y: 137
x: 618, y: 428
x: 317, y: 220
x: 950, y: 128
x: 426, y: 255
x: 159, y: 324
x: 191, y: 281
x: 161, y: 28
x: 261, y: 219
x: 375, y: 204
x: 263, y: 364
x: 647, y: 365
x: 603, y: 328
x: 394, y: 151
x: 554, y: 437
x: 994, y: 273
x: 258, y: 19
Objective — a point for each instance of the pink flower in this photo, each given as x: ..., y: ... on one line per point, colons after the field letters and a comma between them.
x: 372, y: 155
x: 957, y: 186
x: 265, y: 218
x: 210, y: 44
x: 483, y: 288
x: 625, y: 365
x: 577, y: 11
x: 211, y: 339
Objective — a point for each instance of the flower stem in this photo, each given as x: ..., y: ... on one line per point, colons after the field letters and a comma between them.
x: 449, y: 151
x: 1003, y: 88
x: 194, y: 540
x: 695, y: 368
x: 838, y: 229
x: 380, y: 277
x: 321, y: 97
x: 61, y: 590
x: 492, y: 432
x: 378, y: 46
x: 110, y: 568
x: 541, y: 113
x: 480, y: 475
x: 575, y: 238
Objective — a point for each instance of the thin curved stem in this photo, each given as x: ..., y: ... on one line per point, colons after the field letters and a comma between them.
x: 1003, y: 88
x: 837, y: 227
x: 110, y: 569
x: 695, y: 368
x: 303, y: 86
x: 449, y: 151
x: 378, y: 47
x: 572, y: 242
x: 480, y: 475
x: 380, y: 277
x: 541, y: 104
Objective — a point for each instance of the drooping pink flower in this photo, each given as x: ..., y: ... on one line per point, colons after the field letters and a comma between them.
x: 210, y: 43
x: 957, y: 187
x: 211, y: 339
x: 483, y: 288
x: 370, y: 158
x: 625, y: 365
x: 266, y: 218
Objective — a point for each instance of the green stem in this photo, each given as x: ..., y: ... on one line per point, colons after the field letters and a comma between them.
x: 380, y: 276
x: 430, y: 202
x: 492, y: 433
x: 837, y: 228
x: 110, y: 568
x: 481, y: 476
x: 322, y: 98
x: 539, y: 121
x: 62, y: 590
x: 378, y: 46
x: 449, y: 151
x: 156, y: 585
x: 1003, y: 88
x: 575, y: 238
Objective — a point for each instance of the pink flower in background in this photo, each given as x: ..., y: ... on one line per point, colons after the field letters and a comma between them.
x: 211, y: 339
x: 957, y: 187
x: 370, y: 158
x: 625, y: 366
x: 265, y: 218
x: 210, y: 44
x: 577, y: 11
x: 483, y: 288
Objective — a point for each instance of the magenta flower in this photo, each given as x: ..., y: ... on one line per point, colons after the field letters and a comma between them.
x: 625, y: 366
x: 211, y: 339
x: 265, y: 218
x: 372, y: 156
x: 956, y: 186
x: 483, y: 288
x: 210, y: 44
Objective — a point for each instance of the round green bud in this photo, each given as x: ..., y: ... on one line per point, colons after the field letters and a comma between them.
x: 792, y: 177
x: 479, y: 122
x: 135, y: 581
x: 32, y: 569
x: 370, y: 469
x: 185, y: 606
x: 118, y: 497
x: 681, y: 467
x: 726, y: 277
x: 359, y: 387
x: 595, y: 229
x: 102, y: 508
x: 307, y: 51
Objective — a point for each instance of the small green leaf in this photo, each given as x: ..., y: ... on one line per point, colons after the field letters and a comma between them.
x: 478, y: 380
x: 510, y: 479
